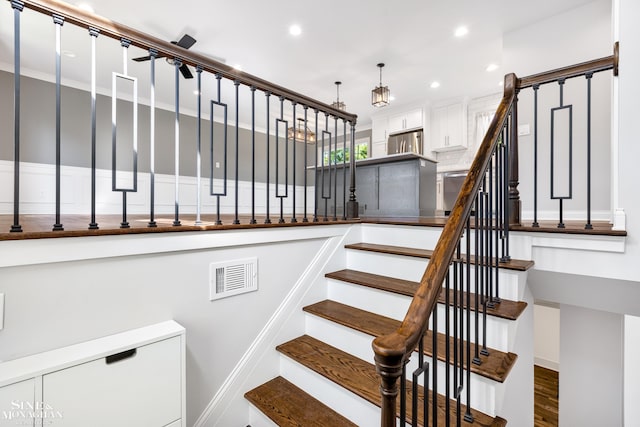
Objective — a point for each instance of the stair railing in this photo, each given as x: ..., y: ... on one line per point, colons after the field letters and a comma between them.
x: 462, y: 273
x: 463, y: 270
x: 290, y: 147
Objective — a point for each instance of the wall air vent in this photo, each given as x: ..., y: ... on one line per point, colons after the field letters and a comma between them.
x: 235, y: 277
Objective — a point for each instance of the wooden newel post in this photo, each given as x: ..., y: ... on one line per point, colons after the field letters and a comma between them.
x: 390, y: 369
x: 515, y: 206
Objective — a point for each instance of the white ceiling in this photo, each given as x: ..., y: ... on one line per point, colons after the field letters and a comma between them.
x: 340, y: 40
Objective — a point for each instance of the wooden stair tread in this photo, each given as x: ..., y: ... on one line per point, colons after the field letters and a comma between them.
x: 289, y: 406
x: 506, y: 309
x: 496, y: 366
x: 360, y: 377
x: 513, y: 264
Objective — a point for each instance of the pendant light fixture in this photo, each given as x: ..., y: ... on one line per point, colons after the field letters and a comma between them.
x: 337, y: 104
x: 380, y: 95
x: 299, y: 132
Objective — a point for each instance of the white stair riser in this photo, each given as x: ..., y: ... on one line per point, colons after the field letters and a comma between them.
x: 483, y: 390
x: 398, y: 235
x: 395, y: 306
x: 511, y: 283
x: 334, y: 396
x: 258, y: 419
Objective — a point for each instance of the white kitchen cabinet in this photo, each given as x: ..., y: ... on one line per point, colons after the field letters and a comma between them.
x: 439, y: 194
x: 448, y: 127
x: 16, y: 400
x: 131, y: 379
x: 379, y: 126
x: 406, y: 121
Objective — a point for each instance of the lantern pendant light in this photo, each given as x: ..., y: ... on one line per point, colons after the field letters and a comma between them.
x: 380, y: 95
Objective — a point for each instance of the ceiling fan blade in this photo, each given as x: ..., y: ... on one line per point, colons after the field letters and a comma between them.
x: 186, y: 73
x: 186, y: 41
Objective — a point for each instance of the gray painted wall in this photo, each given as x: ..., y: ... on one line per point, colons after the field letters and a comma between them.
x: 38, y: 134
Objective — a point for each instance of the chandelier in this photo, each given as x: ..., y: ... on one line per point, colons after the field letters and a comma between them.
x: 380, y: 95
x: 299, y: 132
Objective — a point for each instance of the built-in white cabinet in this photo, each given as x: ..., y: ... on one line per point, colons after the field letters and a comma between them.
x: 406, y: 121
x: 448, y: 127
x: 439, y: 194
x: 135, y: 378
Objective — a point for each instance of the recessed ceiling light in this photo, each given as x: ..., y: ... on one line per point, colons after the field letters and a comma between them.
x: 434, y: 85
x: 500, y: 83
x: 491, y: 67
x: 196, y: 92
x: 392, y: 98
x: 86, y: 7
x: 295, y: 30
x: 461, y: 31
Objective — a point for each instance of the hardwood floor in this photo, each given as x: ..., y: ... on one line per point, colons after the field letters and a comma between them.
x: 545, y: 397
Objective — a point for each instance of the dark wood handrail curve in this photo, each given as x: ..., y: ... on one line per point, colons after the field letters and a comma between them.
x: 391, y: 350
x: 139, y: 39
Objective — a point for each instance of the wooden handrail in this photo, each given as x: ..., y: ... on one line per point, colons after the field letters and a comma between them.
x: 137, y: 38
x: 391, y: 350
x: 594, y: 66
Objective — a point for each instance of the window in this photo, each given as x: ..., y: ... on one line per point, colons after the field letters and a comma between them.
x: 343, y: 155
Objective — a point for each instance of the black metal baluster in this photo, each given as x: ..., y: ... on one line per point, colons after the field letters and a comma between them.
x: 315, y: 174
x: 293, y: 174
x: 58, y: 22
x: 268, y: 97
x: 17, y: 6
x: 152, y: 140
x: 535, y: 156
x: 434, y: 369
x: 335, y: 169
x: 457, y: 336
x: 253, y: 156
x: 588, y: 225
x: 486, y: 263
x: 353, y: 204
x: 286, y: 161
x: 212, y: 164
x: 176, y: 219
x: 490, y: 195
x: 505, y: 248
x: 496, y: 229
x: 306, y: 171
x: 423, y: 369
x: 236, y: 83
x: 198, y: 145
x: 476, y: 268
x: 344, y: 171
x: 467, y: 416
x: 560, y: 200
x: 403, y: 395
x: 93, y: 33
x: 125, y: 46
x: 447, y: 348
x: 324, y: 196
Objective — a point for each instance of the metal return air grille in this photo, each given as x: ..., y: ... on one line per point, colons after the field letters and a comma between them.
x: 235, y: 277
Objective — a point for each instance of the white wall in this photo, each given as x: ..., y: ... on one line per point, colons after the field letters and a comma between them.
x: 546, y: 336
x: 591, y: 372
x: 64, y: 291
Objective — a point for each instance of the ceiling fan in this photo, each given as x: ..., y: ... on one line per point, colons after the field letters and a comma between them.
x: 185, y: 42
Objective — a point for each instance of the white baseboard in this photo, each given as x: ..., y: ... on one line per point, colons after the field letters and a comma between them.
x: 549, y: 364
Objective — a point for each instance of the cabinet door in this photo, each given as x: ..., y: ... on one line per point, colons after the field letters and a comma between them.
x: 367, y: 191
x: 16, y: 401
x: 397, y: 123
x: 438, y: 128
x: 398, y: 191
x: 379, y: 129
x: 413, y: 119
x: 141, y: 390
x: 454, y: 125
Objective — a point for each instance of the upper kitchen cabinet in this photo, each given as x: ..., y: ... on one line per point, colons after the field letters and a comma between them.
x: 408, y: 120
x: 449, y: 127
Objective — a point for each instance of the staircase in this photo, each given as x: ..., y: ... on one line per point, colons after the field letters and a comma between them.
x: 328, y: 377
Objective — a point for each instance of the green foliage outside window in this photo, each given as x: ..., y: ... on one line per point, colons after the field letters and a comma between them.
x: 342, y: 155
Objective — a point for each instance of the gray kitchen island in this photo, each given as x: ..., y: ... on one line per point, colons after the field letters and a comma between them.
x: 400, y: 185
